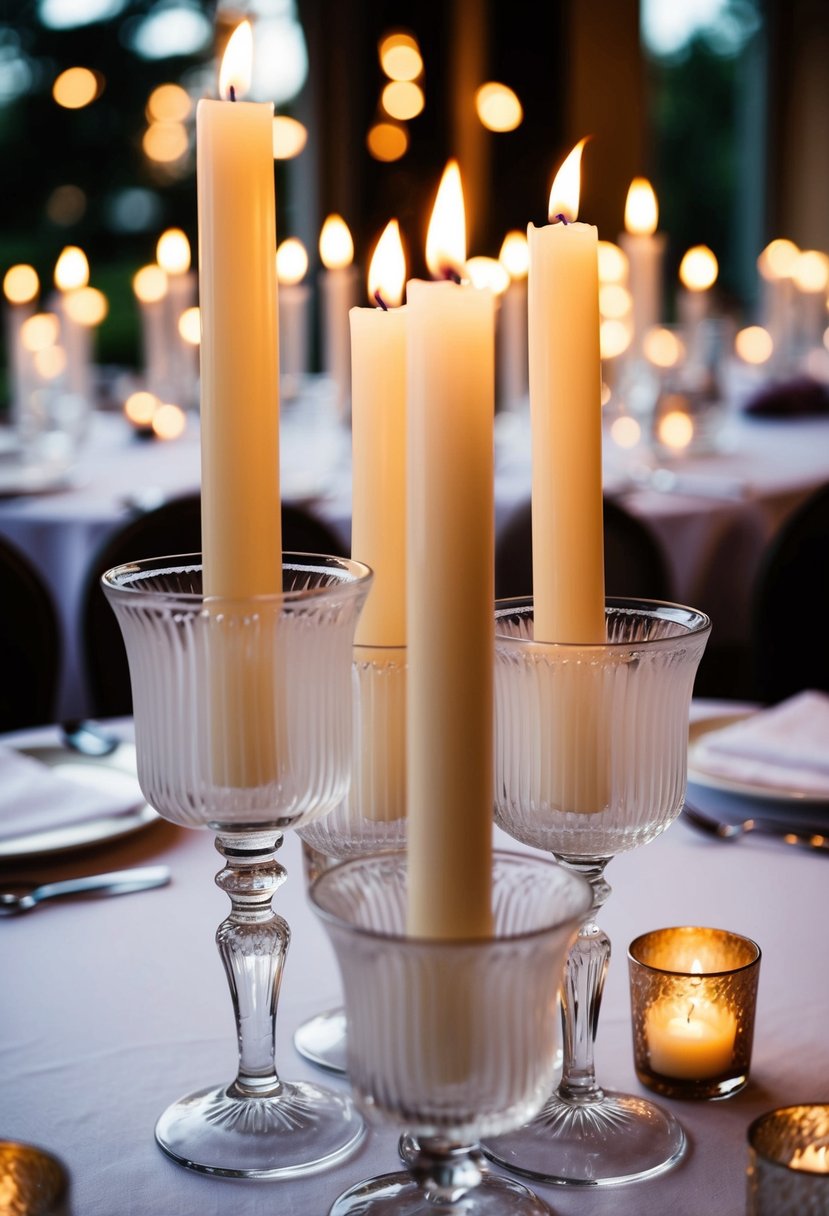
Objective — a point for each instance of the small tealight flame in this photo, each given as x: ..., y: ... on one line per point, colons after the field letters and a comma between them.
x: 71, y: 269
x: 336, y: 245
x: 515, y: 254
x: 169, y: 421
x: 676, y: 430
x: 446, y: 237
x: 173, y: 251
x: 237, y: 63
x: 291, y: 261
x: 698, y: 269
x: 387, y: 269
x: 140, y: 407
x: 564, y: 195
x: 641, y: 208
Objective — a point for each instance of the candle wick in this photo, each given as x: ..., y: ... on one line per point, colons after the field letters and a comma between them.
x: 690, y: 1011
x: 450, y: 274
x: 232, y: 91
x: 381, y: 303
x: 561, y: 218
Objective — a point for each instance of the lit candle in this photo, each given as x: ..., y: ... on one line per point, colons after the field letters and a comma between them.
x: 294, y: 298
x: 339, y: 294
x: 450, y: 590
x: 241, y: 507
x: 513, y: 360
x: 173, y: 256
x: 378, y: 444
x: 150, y: 288
x: 811, y: 278
x: 775, y: 265
x: 698, y: 272
x: 72, y: 274
x: 20, y: 288
x: 241, y: 523
x: 691, y: 1040
x: 378, y: 527
x: 645, y: 248
x: 565, y: 411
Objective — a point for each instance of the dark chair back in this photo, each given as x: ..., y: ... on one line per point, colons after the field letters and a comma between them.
x: 30, y: 643
x: 173, y: 528
x: 634, y: 565
x: 791, y: 593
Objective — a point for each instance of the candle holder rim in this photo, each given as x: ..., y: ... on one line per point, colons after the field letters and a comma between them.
x: 723, y: 971
x: 370, y: 647
x: 774, y: 1162
x: 116, y: 588
x: 446, y: 943
x: 696, y: 624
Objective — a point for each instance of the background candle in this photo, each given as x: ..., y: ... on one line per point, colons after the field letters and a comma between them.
x: 338, y: 284
x: 450, y: 589
x: 71, y: 274
x: 512, y: 356
x: 645, y: 248
x: 698, y: 272
x: 173, y: 256
x: 21, y: 287
x: 150, y: 288
x: 775, y: 266
x: 566, y: 420
x: 294, y: 298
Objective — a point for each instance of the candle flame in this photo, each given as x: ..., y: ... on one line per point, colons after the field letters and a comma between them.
x: 291, y: 262
x: 641, y: 209
x: 446, y: 237
x: 336, y: 245
x: 515, y: 254
x: 564, y: 195
x: 237, y: 63
x: 150, y: 284
x: 778, y: 259
x: 698, y: 269
x: 21, y: 284
x: 173, y: 251
x: 71, y: 269
x: 387, y: 270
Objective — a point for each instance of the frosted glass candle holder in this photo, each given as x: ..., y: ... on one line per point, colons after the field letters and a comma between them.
x: 693, y: 996
x: 788, y: 1168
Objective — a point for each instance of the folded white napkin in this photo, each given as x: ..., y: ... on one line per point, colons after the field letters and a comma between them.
x: 35, y: 797
x: 785, y: 747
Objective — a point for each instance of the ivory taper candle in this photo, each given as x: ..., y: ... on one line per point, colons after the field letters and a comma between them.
x: 450, y: 619
x: 566, y: 420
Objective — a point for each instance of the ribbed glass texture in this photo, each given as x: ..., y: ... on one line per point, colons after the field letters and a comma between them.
x: 777, y: 1140
x: 591, y: 741
x: 242, y: 706
x: 372, y: 816
x: 451, y: 1039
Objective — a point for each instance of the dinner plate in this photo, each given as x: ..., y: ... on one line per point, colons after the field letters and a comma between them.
x: 114, y: 774
x: 17, y: 478
x: 699, y: 775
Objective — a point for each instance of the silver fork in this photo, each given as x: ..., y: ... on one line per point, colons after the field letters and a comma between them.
x: 723, y: 830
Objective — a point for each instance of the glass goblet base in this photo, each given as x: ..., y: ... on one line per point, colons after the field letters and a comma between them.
x: 398, y: 1193
x: 617, y: 1138
x: 321, y: 1040
x: 299, y: 1129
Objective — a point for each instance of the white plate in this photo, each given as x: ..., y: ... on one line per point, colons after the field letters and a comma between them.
x: 699, y: 775
x: 19, y: 478
x: 115, y: 773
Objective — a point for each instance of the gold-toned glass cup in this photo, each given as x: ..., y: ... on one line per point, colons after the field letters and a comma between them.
x: 693, y: 995
x: 788, y: 1162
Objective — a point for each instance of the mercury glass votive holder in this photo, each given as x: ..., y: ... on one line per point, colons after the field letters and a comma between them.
x: 788, y: 1162
x: 693, y: 994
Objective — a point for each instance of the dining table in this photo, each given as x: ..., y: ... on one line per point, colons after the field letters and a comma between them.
x: 112, y: 1008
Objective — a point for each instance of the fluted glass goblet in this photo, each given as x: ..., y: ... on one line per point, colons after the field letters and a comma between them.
x: 243, y: 726
x: 452, y: 1039
x: 590, y: 761
x: 371, y: 817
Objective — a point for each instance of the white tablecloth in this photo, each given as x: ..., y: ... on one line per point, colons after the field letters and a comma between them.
x: 713, y: 545
x: 111, y: 1009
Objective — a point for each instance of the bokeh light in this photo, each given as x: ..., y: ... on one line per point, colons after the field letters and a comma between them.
x: 20, y: 284
x: 754, y: 344
x: 336, y: 245
x: 189, y: 325
x: 169, y: 421
x: 150, y: 284
x: 169, y: 103
x: 291, y: 261
x: 173, y: 251
x: 76, y: 88
x: 289, y: 137
x: 515, y: 254
x: 66, y: 205
x: 662, y: 347
x: 498, y: 107
x: 140, y: 408
x: 39, y: 332
x: 614, y: 338
x: 402, y: 99
x: 613, y: 263
x: 400, y: 56
x: 387, y: 141
x: 675, y: 429
x: 626, y: 432
x: 87, y: 306
x: 71, y: 269
x: 698, y: 269
x: 165, y: 142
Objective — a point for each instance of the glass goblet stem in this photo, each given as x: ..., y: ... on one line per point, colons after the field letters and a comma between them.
x: 581, y: 995
x: 253, y: 942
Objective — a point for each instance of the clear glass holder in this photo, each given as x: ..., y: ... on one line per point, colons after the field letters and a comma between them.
x: 243, y: 725
x: 450, y: 1038
x: 370, y: 819
x: 591, y: 760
